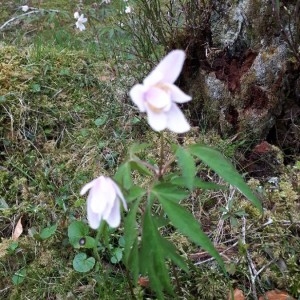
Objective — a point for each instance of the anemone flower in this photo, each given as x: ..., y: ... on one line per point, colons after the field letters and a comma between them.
x: 158, y: 95
x: 103, y: 202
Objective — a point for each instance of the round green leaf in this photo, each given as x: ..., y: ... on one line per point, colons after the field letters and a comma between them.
x: 19, y: 277
x: 83, y: 264
x: 117, y: 255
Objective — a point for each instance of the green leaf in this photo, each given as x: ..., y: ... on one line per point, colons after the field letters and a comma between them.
x: 136, y: 148
x: 83, y: 264
x: 35, y: 87
x: 187, y: 166
x: 123, y: 176
x: 131, y: 258
x: 186, y: 223
x: 48, y: 232
x: 3, y: 204
x: 152, y: 258
x: 19, y: 277
x: 76, y: 231
x: 100, y: 121
x: 13, y: 246
x: 168, y: 191
x: 135, y: 192
x: 170, y: 251
x: 215, y: 160
x: 117, y: 255
x: 198, y: 183
x: 89, y: 242
x: 143, y: 170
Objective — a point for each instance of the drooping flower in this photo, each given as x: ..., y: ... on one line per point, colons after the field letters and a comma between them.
x: 128, y: 10
x: 158, y: 95
x: 103, y: 202
x: 80, y: 20
x: 25, y: 8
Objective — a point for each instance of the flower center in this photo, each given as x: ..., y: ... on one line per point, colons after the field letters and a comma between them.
x: 161, y: 107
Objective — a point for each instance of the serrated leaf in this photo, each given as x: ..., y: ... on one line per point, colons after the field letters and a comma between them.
x: 171, y: 252
x: 215, y: 160
x: 83, y: 264
x: 185, y: 222
x: 169, y: 191
x: 187, y: 166
x: 135, y: 192
x: 123, y: 176
x: 131, y: 241
x: 143, y: 170
x: 152, y: 257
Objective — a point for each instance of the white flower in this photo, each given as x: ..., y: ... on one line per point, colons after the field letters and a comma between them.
x: 103, y: 202
x: 128, y: 10
x: 25, y: 8
x: 157, y: 96
x: 106, y: 1
x: 80, y: 20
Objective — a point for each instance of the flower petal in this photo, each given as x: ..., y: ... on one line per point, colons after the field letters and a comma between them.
x: 137, y: 96
x: 120, y: 195
x: 76, y: 14
x: 153, y: 78
x: 176, y: 120
x: 114, y: 218
x: 94, y: 219
x: 82, y: 19
x: 158, y: 99
x: 102, y: 196
x: 86, y: 187
x: 157, y: 121
x: 178, y: 95
x: 168, y: 69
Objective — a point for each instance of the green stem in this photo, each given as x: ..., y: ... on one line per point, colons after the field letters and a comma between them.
x: 161, y: 160
x: 98, y: 236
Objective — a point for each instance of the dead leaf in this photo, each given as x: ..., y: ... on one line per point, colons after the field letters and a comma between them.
x: 237, y: 295
x: 276, y: 295
x: 18, y: 230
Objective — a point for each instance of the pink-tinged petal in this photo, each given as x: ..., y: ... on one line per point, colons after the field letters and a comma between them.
x: 102, y: 195
x: 110, y: 198
x: 168, y: 69
x: 86, y: 187
x: 176, y: 120
x: 114, y: 218
x: 157, y: 121
x: 120, y: 195
x: 137, y: 96
x: 178, y: 95
x: 82, y: 19
x: 94, y: 219
x: 153, y: 78
x: 158, y: 99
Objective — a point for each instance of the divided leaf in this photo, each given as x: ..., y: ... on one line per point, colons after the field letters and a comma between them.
x: 185, y: 222
x: 187, y: 165
x: 215, y: 160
